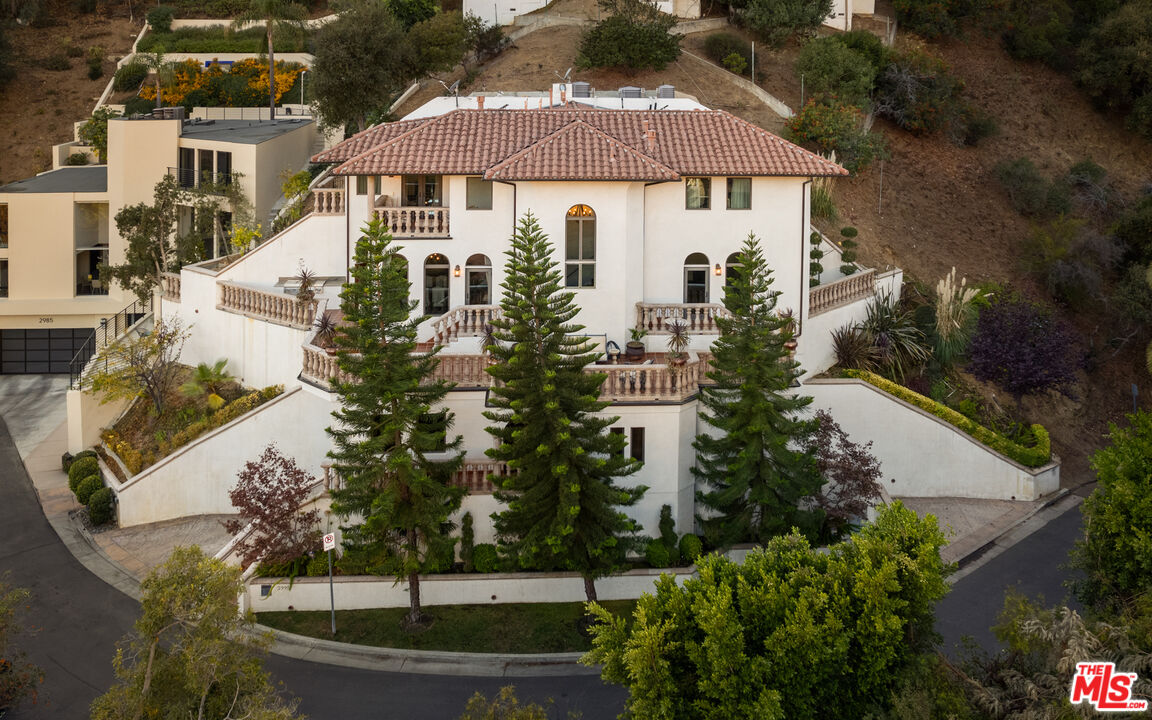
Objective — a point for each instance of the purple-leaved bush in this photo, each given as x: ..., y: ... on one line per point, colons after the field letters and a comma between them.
x: 1021, y: 347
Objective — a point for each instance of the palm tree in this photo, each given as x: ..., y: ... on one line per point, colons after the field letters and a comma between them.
x: 161, y: 66
x: 276, y: 15
x: 208, y: 380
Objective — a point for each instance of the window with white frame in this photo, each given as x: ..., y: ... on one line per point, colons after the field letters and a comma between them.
x: 696, y: 278
x: 580, y: 247
x: 436, y: 284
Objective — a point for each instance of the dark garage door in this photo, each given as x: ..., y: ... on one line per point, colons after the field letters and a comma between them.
x: 39, y: 351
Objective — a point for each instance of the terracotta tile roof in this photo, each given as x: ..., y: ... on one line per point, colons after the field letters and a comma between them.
x: 578, y: 151
x: 527, y: 144
x: 365, y: 140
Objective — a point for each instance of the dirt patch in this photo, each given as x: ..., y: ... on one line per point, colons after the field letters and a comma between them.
x: 39, y: 107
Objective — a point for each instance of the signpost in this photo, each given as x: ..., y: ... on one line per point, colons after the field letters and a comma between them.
x: 329, y: 546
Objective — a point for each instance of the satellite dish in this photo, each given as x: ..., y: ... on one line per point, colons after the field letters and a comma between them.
x: 566, y: 77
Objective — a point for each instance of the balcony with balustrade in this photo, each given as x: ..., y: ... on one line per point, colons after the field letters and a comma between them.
x: 261, y: 304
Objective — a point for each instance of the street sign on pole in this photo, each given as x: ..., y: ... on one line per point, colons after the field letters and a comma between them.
x: 329, y: 546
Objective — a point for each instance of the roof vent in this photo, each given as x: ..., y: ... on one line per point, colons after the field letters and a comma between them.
x: 666, y: 92
x: 629, y: 91
x: 581, y: 89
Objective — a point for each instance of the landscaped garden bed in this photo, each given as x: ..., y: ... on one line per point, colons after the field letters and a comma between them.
x: 520, y: 628
x: 220, y: 39
x: 141, y: 437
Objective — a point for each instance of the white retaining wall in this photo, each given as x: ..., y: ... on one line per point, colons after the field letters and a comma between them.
x: 363, y: 592
x: 196, y: 479
x: 814, y: 352
x: 920, y: 454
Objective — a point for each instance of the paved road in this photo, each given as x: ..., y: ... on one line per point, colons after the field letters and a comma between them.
x: 1033, y: 566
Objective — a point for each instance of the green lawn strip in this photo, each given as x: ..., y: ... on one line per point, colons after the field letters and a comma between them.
x: 523, y: 628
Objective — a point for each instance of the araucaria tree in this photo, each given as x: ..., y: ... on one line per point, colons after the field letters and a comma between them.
x: 754, y: 472
x: 385, y: 430
x: 563, y: 506
x: 192, y: 654
x: 269, y: 495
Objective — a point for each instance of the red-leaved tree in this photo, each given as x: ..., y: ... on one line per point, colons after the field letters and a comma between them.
x: 269, y: 495
x: 851, y: 476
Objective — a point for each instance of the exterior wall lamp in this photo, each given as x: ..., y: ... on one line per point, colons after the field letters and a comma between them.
x: 716, y: 269
x: 456, y: 271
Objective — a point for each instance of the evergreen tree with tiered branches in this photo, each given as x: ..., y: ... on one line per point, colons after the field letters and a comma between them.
x: 563, y: 505
x: 399, y: 495
x: 751, y: 465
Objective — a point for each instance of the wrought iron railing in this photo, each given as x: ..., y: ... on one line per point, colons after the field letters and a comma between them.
x: 189, y: 178
x: 107, y: 333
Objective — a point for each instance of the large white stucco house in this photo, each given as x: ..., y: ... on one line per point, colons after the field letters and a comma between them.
x: 646, y: 200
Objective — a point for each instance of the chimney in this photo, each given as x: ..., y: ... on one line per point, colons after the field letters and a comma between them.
x: 563, y: 93
x: 550, y: 91
x: 479, y: 102
x: 649, y: 136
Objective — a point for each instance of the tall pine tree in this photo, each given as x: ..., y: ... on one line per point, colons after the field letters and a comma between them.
x: 563, y: 505
x: 400, y: 496
x: 753, y: 469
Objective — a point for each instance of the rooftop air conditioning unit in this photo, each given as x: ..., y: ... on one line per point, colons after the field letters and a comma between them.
x: 628, y: 91
x: 666, y: 92
x: 581, y: 89
x: 169, y: 113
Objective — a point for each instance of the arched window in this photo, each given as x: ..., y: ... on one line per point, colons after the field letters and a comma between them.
x: 436, y: 284
x: 580, y: 247
x: 696, y: 278
x: 478, y: 276
x: 732, y: 269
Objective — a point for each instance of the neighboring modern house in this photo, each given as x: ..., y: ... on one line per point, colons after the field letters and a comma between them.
x: 57, y: 227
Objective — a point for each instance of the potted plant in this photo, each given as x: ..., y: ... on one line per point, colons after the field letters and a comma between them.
x: 678, y: 341
x: 789, y: 329
x: 307, y: 279
x: 635, y: 349
x: 325, y: 333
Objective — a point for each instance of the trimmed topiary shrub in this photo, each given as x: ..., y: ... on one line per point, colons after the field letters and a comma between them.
x: 81, y: 468
x: 691, y: 547
x: 485, y: 559
x: 87, y: 486
x: 77, y: 159
x: 100, y: 506
x: 657, y: 555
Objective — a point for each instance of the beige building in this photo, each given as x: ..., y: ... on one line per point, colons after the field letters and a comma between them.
x: 57, y: 227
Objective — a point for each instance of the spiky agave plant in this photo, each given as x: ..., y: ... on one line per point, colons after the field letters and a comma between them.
x: 955, y: 313
x: 896, y: 341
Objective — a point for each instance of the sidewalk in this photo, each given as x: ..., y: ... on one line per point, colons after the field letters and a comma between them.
x: 122, y: 557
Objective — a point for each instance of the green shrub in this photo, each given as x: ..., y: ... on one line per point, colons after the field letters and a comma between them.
x: 668, y: 534
x: 722, y: 45
x: 691, y: 547
x: 638, y: 43
x: 823, y: 207
x: 138, y: 106
x: 1029, y: 192
x: 868, y: 45
x: 160, y: 19
x: 87, y: 486
x: 656, y: 554
x: 929, y: 18
x: 917, y: 92
x: 81, y: 468
x: 219, y: 39
x: 100, y: 506
x: 225, y: 415
x: 1041, y: 30
x: 467, y: 541
x: 77, y: 159
x: 829, y: 67
x: 56, y: 63
x: 95, y: 68
x: 1035, y: 456
x: 317, y: 565
x: 849, y: 232
x: 826, y: 125
x: 1115, y: 67
x: 67, y: 459
x: 774, y: 21
x: 129, y: 77
x: 485, y: 558
x: 73, y: 51
x: 736, y: 64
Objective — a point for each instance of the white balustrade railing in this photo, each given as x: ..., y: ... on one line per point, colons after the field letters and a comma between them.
x: 415, y: 222
x: 699, y: 318
x: 823, y: 298
x: 464, y: 321
x: 329, y: 201
x: 473, y: 475
x: 170, y: 286
x: 268, y: 306
x: 463, y: 370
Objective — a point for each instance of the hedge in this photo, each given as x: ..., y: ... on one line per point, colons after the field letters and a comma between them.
x: 100, y: 506
x: 1036, y: 456
x: 80, y: 469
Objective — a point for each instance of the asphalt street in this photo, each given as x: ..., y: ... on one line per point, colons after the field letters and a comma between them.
x: 75, y: 620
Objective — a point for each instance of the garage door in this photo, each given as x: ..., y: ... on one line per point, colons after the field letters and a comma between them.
x: 39, y: 351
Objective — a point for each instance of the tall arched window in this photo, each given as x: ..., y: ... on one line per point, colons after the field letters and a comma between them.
x: 435, y: 284
x: 580, y: 247
x: 478, y: 274
x: 732, y: 269
x: 696, y: 278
